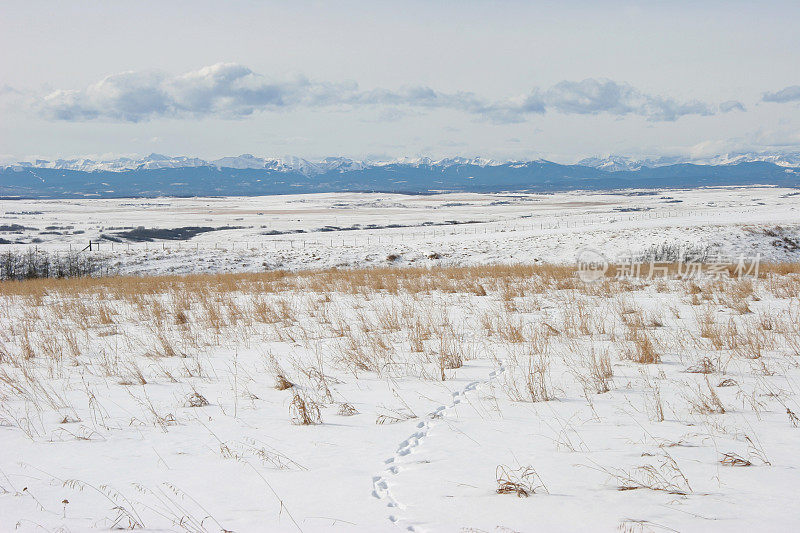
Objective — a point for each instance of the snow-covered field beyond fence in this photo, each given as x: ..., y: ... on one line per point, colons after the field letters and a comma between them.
x: 345, y: 230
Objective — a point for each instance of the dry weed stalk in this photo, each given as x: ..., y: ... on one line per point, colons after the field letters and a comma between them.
x: 304, y: 411
x: 643, y: 350
x: 601, y: 372
x: 706, y: 401
x: 733, y: 459
x: 523, y: 482
x: 665, y: 476
x: 537, y: 379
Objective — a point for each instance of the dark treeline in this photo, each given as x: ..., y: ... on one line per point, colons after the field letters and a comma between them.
x: 32, y: 264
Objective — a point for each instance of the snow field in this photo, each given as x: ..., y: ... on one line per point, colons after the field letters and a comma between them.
x: 177, y: 403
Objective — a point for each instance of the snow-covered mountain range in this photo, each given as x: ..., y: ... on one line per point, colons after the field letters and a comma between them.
x: 617, y: 163
x: 612, y: 163
x: 244, y: 161
x: 248, y: 175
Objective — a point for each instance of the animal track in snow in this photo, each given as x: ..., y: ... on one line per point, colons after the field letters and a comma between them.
x: 380, y: 482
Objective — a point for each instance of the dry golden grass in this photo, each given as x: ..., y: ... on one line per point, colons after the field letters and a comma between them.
x: 510, y: 280
x: 394, y: 321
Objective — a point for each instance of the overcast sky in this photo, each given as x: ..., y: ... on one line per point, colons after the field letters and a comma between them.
x: 376, y: 80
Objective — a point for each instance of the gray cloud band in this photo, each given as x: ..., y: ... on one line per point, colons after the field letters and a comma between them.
x: 230, y: 90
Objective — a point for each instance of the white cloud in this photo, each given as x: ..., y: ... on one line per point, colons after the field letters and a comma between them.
x: 593, y: 96
x: 231, y: 90
x: 224, y: 89
x: 731, y: 105
x: 787, y: 94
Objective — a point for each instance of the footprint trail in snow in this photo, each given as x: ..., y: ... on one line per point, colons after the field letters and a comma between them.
x: 381, y: 482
